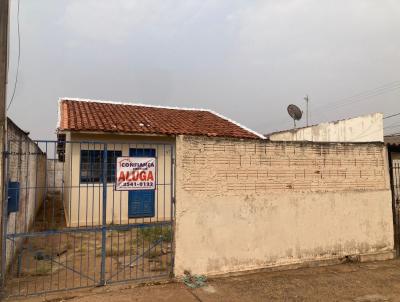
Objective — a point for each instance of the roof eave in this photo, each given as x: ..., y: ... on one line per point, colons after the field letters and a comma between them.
x: 152, y: 134
x: 155, y: 106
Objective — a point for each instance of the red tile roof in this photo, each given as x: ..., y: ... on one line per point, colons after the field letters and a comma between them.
x: 88, y: 115
x: 392, y: 140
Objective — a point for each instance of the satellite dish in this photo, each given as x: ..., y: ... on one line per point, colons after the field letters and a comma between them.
x: 295, y: 113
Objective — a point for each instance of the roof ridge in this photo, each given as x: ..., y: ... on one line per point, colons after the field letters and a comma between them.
x: 60, y: 100
x: 131, y: 104
x: 237, y: 124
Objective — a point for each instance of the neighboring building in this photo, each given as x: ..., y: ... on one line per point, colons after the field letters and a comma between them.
x: 367, y: 128
x: 393, y: 147
x: 128, y: 130
x: 393, y: 144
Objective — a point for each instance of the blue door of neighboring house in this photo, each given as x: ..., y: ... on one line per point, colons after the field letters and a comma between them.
x: 141, y: 202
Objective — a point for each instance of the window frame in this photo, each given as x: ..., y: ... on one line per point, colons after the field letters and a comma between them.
x: 95, y: 158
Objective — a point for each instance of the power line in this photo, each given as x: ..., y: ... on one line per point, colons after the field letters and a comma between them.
x: 358, y: 97
x: 394, y: 133
x: 362, y: 95
x: 18, y: 60
x: 392, y: 126
x: 365, y: 97
x: 393, y: 115
x: 371, y: 92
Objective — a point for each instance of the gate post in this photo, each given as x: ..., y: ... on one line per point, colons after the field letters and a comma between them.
x: 104, y: 219
x: 4, y: 32
x: 394, y: 204
x: 4, y: 229
x: 4, y: 219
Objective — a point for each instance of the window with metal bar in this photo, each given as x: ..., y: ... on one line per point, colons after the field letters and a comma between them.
x: 92, y: 165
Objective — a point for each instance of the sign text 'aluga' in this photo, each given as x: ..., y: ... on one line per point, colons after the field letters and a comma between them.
x: 135, y: 173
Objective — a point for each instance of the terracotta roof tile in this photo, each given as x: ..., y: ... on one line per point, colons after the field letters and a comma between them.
x: 392, y: 140
x: 88, y: 115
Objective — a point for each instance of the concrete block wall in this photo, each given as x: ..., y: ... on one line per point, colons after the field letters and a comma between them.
x: 236, y: 167
x: 55, y: 175
x: 27, y: 165
x: 247, y: 204
x: 367, y: 128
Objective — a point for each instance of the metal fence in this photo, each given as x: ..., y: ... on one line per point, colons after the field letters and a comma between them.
x: 66, y: 226
x: 396, y: 181
x: 395, y: 186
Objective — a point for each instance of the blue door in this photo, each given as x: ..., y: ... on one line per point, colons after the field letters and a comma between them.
x: 141, y: 202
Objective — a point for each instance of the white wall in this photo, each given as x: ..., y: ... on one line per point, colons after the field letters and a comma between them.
x: 367, y: 128
x: 228, y: 234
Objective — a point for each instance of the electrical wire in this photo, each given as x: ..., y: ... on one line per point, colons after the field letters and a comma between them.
x: 362, y: 96
x: 18, y: 60
x: 393, y: 134
x: 392, y: 126
x: 393, y: 115
x: 379, y: 89
x: 358, y: 97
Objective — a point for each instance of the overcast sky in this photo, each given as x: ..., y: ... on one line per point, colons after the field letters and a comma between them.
x: 245, y: 59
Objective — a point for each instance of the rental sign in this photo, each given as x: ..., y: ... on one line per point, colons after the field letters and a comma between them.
x: 135, y: 173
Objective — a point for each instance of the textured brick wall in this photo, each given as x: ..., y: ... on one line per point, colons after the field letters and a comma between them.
x: 243, y: 205
x: 27, y: 165
x: 234, y: 166
x: 55, y: 173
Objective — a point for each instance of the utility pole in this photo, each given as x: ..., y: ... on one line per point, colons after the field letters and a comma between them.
x: 4, y: 20
x: 306, y: 99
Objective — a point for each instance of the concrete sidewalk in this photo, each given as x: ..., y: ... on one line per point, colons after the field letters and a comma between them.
x: 359, y: 282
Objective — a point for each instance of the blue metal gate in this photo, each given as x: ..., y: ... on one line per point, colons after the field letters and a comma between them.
x: 65, y: 226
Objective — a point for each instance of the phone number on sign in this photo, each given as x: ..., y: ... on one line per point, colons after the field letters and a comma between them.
x: 137, y: 184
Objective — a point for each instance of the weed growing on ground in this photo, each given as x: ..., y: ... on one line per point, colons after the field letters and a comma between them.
x: 154, y: 234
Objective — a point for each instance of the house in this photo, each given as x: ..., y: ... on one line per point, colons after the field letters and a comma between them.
x: 236, y: 200
x: 134, y: 192
x: 126, y: 129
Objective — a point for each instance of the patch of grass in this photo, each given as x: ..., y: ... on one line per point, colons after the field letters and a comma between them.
x: 159, y: 268
x: 153, y: 234
x: 154, y: 254
x: 114, y: 251
x: 134, y: 241
x: 43, y: 269
x: 83, y: 249
x: 118, y: 231
x: 69, y: 245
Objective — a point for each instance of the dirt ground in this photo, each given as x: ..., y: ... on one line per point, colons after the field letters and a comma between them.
x: 358, y: 282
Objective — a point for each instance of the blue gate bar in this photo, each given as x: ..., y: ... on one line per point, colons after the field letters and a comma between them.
x: 63, y: 237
